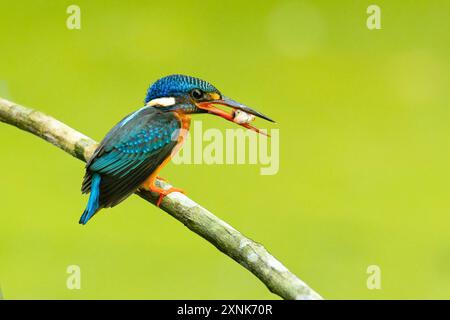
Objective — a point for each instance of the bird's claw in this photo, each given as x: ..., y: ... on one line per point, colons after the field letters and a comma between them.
x: 164, y: 193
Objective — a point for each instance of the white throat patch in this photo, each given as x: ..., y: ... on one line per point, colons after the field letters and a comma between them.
x: 162, y: 102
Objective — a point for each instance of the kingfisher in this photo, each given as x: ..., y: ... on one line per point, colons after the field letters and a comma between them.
x: 135, y: 150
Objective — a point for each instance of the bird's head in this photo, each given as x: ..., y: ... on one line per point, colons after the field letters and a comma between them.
x: 189, y: 95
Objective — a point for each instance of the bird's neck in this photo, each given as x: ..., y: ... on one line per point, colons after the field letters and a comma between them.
x: 185, y: 120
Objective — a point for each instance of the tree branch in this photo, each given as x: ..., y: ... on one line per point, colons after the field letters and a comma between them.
x: 251, y: 255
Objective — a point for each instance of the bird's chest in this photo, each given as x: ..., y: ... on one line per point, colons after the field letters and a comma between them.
x: 185, y: 123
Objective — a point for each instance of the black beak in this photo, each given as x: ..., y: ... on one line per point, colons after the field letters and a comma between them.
x: 210, y: 108
x: 225, y: 101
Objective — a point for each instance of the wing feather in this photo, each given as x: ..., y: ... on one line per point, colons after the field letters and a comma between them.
x: 130, y: 153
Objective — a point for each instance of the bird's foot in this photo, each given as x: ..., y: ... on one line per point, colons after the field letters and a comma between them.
x: 149, y: 185
x: 161, y: 178
x: 164, y: 193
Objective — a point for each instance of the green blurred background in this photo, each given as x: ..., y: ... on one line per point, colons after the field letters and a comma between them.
x: 363, y: 116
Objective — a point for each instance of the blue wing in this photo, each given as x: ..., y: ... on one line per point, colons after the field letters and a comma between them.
x: 129, y: 154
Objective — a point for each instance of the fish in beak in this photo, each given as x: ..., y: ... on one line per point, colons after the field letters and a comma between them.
x: 240, y: 113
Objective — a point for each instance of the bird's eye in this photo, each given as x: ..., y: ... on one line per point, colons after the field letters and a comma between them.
x: 197, y: 94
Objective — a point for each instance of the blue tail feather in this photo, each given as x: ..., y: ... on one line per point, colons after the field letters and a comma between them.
x: 93, y: 203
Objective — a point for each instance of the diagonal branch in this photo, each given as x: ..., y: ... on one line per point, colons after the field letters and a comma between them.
x: 250, y: 254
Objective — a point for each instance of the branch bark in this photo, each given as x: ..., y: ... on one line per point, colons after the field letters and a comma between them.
x: 250, y: 254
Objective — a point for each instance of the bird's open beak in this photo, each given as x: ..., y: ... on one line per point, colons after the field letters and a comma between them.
x: 235, y: 116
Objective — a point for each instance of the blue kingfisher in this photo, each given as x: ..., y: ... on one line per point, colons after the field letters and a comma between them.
x: 136, y: 149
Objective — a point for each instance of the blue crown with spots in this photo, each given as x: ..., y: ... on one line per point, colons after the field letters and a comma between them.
x: 177, y: 85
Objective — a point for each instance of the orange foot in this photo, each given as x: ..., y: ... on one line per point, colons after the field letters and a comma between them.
x: 149, y: 185
x: 161, y: 178
x: 164, y: 192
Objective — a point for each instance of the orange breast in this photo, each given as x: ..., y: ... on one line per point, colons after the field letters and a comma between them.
x: 184, y: 130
